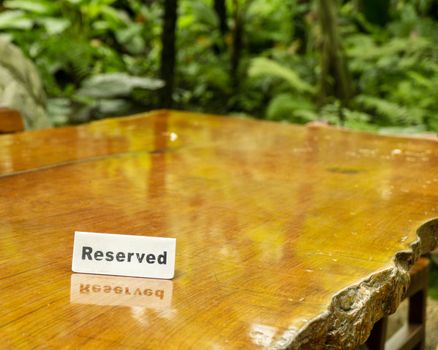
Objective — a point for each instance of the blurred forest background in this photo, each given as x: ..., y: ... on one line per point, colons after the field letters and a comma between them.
x: 364, y: 64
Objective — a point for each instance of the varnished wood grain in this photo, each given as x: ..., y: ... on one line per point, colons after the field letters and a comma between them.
x: 286, y: 235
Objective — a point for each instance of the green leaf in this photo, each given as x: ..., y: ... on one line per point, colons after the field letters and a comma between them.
x: 391, y: 112
x: 433, y: 122
x: 421, y: 80
x: 357, y: 120
x: 113, y: 106
x: 265, y: 67
x: 116, y: 84
x: 35, y: 6
x: 381, y: 106
x: 58, y: 110
x: 54, y: 25
x: 131, y: 38
x: 15, y: 20
x: 292, y: 108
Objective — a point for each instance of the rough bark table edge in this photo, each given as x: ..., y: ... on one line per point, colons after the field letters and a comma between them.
x: 353, y: 311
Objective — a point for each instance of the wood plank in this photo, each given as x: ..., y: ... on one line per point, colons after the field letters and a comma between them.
x: 286, y: 235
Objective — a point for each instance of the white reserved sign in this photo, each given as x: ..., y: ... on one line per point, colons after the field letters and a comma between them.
x: 124, y: 255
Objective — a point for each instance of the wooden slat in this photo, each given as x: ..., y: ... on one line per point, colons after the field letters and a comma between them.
x: 412, y: 336
x: 406, y: 338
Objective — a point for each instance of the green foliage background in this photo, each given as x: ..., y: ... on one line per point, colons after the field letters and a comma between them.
x: 101, y: 58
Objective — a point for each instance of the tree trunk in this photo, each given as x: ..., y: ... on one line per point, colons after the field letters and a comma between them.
x: 236, y: 49
x: 335, y: 78
x: 221, y: 11
x: 168, y: 53
x: 300, y: 29
x: 431, y: 9
x: 376, y: 11
x: 220, y: 7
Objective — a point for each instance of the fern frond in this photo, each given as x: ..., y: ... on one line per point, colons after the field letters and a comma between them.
x: 391, y: 112
x: 265, y: 67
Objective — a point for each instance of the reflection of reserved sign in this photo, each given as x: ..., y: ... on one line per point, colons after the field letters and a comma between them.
x: 124, y: 255
x: 121, y: 291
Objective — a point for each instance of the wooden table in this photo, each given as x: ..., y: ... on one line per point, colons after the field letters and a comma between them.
x: 286, y: 235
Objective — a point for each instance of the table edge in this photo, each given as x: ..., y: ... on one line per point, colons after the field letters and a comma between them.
x: 336, y: 326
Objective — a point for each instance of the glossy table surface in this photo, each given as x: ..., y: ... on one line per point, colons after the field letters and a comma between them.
x: 286, y: 235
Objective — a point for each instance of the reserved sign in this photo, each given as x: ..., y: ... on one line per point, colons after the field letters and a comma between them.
x: 124, y: 255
